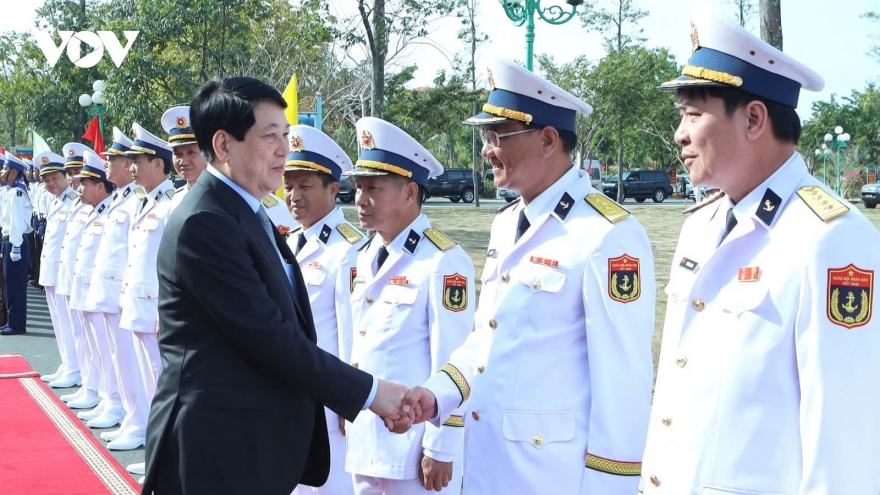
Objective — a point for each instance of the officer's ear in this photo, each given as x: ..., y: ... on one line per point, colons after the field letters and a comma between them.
x: 756, y: 118
x: 550, y: 141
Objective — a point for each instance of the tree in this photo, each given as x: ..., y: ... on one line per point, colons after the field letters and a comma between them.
x: 745, y: 10
x: 469, y: 34
x: 403, y: 22
x: 617, y: 22
x: 875, y: 48
x: 771, y: 22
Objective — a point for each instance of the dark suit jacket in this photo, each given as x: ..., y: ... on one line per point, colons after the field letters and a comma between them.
x: 239, y: 403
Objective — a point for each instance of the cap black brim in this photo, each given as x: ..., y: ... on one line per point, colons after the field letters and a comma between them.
x: 691, y: 82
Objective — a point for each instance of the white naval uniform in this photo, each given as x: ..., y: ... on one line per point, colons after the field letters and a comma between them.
x: 77, y: 220
x: 759, y: 391
x: 103, y: 297
x: 56, y: 225
x: 93, y: 323
x: 328, y: 260
x: 140, y: 284
x: 558, y: 370
x: 407, y: 318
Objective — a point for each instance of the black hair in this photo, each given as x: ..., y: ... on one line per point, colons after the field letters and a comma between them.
x: 227, y: 104
x: 107, y: 185
x: 568, y: 138
x: 784, y: 120
x: 326, y: 179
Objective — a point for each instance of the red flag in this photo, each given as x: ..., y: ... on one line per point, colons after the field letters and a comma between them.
x: 93, y: 134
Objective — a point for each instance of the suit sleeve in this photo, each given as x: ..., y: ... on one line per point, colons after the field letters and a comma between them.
x: 838, y: 358
x: 620, y: 329
x: 451, y: 318
x: 215, y: 263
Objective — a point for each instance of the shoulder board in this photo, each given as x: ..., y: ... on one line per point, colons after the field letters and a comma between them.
x: 351, y: 234
x: 72, y: 195
x: 170, y: 193
x: 708, y: 200
x: 612, y: 211
x: 508, y: 205
x: 441, y: 240
x: 269, y: 201
x: 824, y: 205
x: 179, y: 189
x: 140, y: 193
x: 368, y: 242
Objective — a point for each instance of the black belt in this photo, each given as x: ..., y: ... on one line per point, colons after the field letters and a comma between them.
x: 6, y: 238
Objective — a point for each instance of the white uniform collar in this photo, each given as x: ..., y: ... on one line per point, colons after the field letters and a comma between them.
x: 334, y: 218
x: 405, y: 237
x: 765, y: 201
x: 547, y: 200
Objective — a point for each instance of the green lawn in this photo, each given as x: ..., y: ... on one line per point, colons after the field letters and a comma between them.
x: 470, y: 227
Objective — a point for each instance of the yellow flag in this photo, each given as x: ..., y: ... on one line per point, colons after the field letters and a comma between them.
x: 292, y: 112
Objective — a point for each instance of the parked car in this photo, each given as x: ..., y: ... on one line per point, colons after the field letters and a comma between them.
x: 641, y: 185
x: 457, y: 184
x: 346, y: 190
x: 871, y: 195
x: 507, y: 195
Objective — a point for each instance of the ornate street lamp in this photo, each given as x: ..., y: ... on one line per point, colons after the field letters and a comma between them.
x: 838, y: 142
x: 523, y: 12
x: 94, y: 103
x: 824, y: 152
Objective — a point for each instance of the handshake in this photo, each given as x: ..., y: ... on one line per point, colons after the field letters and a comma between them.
x: 401, y: 407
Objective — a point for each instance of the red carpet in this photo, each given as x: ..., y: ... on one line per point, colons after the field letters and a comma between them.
x: 44, y: 448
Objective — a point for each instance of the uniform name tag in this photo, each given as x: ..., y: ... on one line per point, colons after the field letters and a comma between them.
x: 688, y: 264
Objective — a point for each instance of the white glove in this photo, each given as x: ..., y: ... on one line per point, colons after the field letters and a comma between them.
x: 15, y: 255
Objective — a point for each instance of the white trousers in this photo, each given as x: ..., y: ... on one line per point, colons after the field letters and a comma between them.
x: 128, y: 377
x: 368, y: 485
x: 108, y: 388
x: 63, y: 333
x: 146, y: 349
x: 90, y: 374
x: 338, y: 482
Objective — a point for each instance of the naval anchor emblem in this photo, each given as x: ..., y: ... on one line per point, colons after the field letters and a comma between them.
x: 850, y: 296
x: 624, y: 285
x: 455, y: 296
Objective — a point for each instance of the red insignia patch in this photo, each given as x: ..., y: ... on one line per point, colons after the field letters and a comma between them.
x: 850, y: 296
x: 749, y: 274
x: 353, y: 276
x: 398, y: 280
x: 282, y: 229
x: 543, y: 261
x: 624, y: 283
x: 455, y: 295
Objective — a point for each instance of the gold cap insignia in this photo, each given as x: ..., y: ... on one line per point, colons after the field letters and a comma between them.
x: 181, y: 122
x: 71, y: 153
x: 695, y: 37
x: 296, y: 144
x: 134, y: 133
x: 45, y: 160
x: 491, y: 80
x: 367, y: 142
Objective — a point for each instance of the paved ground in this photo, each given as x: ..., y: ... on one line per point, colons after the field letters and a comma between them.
x: 39, y: 348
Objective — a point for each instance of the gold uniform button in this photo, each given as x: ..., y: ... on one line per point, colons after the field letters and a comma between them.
x: 481, y: 369
x: 354, y: 365
x: 363, y: 332
x: 149, y: 297
x: 655, y: 481
x: 536, y: 285
x: 370, y: 300
x: 539, y: 440
x: 681, y: 362
x: 505, y: 278
x: 699, y: 304
x: 112, y: 277
x: 667, y: 421
x: 475, y: 415
x: 493, y: 324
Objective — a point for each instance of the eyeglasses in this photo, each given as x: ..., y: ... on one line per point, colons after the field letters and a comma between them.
x: 494, y: 139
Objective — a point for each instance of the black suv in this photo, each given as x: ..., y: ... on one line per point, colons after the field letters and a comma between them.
x: 346, y: 190
x: 641, y: 185
x: 457, y: 184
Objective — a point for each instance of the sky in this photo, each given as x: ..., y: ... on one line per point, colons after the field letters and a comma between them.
x: 829, y: 37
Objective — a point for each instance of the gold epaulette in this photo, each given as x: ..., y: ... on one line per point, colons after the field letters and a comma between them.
x: 708, y: 200
x: 612, y: 211
x: 170, y: 193
x: 140, y: 193
x: 351, y: 234
x: 72, y: 195
x: 454, y: 421
x: 441, y: 240
x: 824, y: 205
x: 269, y: 201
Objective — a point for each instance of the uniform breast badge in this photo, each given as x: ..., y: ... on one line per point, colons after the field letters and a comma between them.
x: 850, y: 296
x: 749, y: 274
x: 624, y: 284
x: 353, y: 273
x: 455, y: 296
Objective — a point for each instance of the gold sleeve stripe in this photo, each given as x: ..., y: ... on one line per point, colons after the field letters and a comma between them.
x: 614, y: 467
x: 459, y: 380
x: 455, y: 421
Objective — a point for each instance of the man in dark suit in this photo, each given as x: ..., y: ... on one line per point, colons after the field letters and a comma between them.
x: 239, y: 407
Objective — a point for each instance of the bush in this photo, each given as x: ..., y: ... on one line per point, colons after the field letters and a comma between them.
x: 491, y: 191
x: 851, y: 185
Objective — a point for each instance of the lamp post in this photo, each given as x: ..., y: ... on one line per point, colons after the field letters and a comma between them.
x: 838, y: 142
x: 94, y: 103
x: 825, y: 151
x: 523, y: 12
